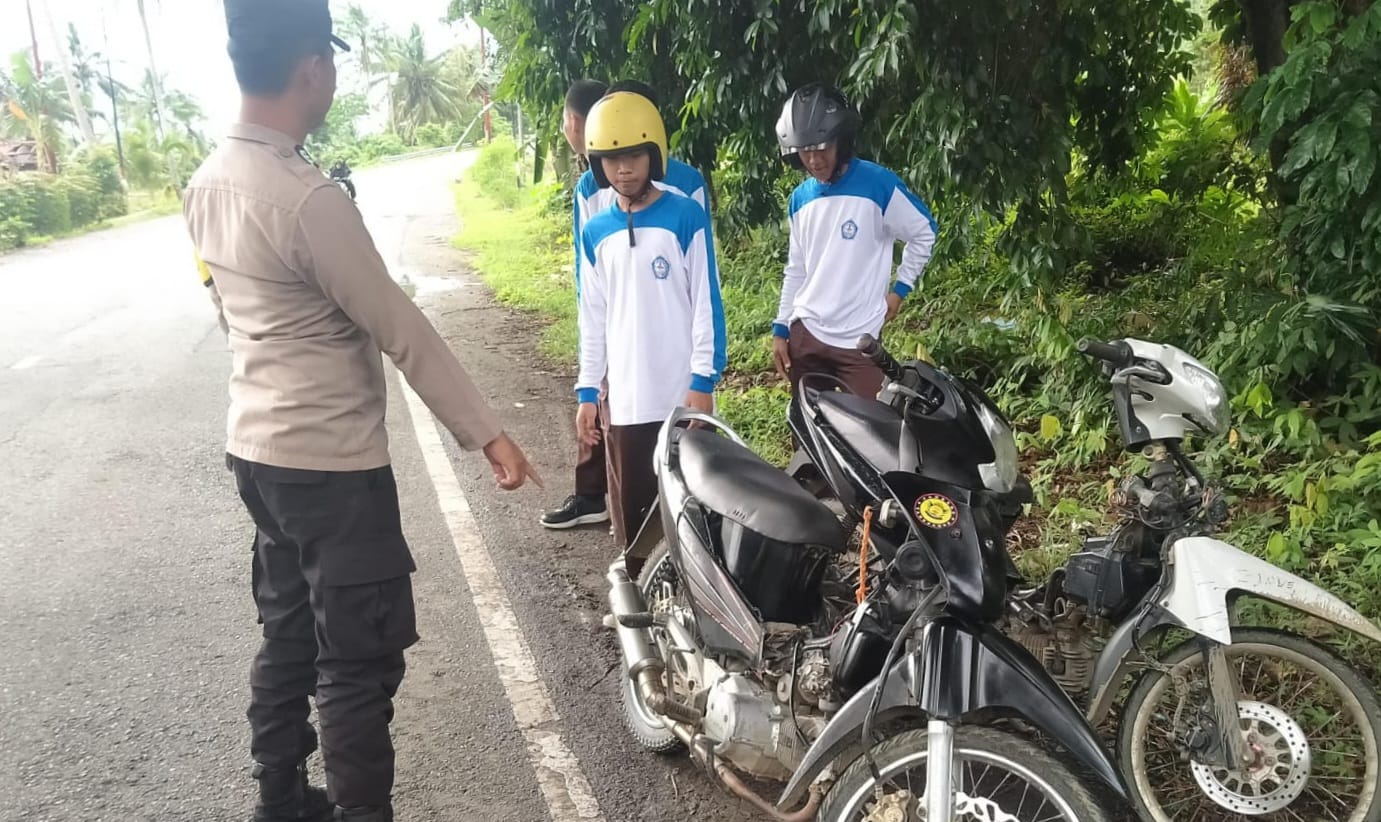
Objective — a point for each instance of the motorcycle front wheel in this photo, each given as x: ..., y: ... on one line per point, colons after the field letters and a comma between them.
x: 1313, y: 727
x: 998, y: 777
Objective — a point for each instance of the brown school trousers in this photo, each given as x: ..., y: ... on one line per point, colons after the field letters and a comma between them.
x: 632, y: 477
x: 850, y: 366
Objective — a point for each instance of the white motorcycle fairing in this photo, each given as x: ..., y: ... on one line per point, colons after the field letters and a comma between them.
x: 1205, y: 572
x: 1204, y: 575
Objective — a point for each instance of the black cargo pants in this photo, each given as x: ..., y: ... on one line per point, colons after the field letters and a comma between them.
x: 331, y: 582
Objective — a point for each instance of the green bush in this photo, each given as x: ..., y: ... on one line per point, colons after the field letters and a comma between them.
x: 83, y: 198
x: 495, y: 172
x: 14, y: 232
x: 52, y: 211
x: 431, y: 135
x: 102, y: 167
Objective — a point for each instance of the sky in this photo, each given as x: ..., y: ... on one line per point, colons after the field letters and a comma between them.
x: 189, y: 40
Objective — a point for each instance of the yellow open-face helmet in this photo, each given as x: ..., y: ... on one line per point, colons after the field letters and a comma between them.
x: 624, y: 122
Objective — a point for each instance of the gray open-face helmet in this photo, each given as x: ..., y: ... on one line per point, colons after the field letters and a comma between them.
x: 812, y: 117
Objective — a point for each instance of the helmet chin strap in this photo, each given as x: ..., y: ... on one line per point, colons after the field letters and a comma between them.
x: 839, y: 169
x: 632, y: 201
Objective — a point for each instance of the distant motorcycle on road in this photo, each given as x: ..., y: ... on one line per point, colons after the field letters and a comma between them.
x: 340, y: 175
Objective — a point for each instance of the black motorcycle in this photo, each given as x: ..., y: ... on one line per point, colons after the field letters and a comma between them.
x: 340, y: 175
x: 742, y: 643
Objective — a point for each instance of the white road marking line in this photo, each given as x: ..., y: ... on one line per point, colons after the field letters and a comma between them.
x: 563, y: 784
x: 27, y: 363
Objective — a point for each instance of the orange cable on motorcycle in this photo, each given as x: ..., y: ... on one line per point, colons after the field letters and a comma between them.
x: 863, y: 555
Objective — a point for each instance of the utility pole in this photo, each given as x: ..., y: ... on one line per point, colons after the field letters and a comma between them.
x: 114, y: 95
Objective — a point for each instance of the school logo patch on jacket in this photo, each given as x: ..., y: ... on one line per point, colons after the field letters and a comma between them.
x: 661, y: 269
x: 849, y: 230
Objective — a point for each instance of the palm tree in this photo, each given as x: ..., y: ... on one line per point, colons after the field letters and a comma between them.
x: 74, y: 95
x: 365, y: 39
x: 184, y: 110
x: 153, y: 70
x: 422, y: 90
x: 35, y: 107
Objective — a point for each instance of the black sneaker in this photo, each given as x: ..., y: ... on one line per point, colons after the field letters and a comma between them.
x: 577, y: 510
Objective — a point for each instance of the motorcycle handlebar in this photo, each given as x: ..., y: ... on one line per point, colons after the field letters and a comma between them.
x: 1117, y: 353
x: 873, y: 350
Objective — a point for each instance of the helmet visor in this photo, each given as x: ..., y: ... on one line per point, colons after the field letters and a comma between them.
x: 789, y: 150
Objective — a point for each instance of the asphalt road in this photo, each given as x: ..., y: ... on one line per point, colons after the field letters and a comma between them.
x: 126, y: 626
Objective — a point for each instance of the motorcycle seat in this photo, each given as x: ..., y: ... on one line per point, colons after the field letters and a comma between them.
x: 737, y: 484
x: 872, y: 428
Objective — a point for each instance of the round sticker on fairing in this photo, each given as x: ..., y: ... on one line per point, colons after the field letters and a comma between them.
x: 937, y: 511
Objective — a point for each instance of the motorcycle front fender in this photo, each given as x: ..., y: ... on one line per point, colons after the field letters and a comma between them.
x: 1206, y: 572
x: 956, y: 671
x: 1204, y: 576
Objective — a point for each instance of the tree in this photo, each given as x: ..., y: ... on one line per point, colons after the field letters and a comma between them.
x: 980, y: 106
x: 74, y: 96
x: 366, y: 39
x: 422, y: 89
x: 157, y: 96
x: 36, y: 107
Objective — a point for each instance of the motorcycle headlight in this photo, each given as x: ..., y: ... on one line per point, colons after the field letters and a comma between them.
x: 1215, y: 398
x: 1000, y: 475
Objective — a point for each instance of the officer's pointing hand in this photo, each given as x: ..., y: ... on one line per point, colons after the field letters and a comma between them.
x: 511, y: 468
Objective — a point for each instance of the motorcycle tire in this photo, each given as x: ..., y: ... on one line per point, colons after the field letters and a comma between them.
x: 641, y: 722
x: 1143, y: 708
x: 990, y: 748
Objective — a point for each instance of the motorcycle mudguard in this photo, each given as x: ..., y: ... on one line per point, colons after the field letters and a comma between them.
x: 955, y: 671
x: 1204, y: 574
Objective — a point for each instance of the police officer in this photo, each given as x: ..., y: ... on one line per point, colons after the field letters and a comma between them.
x: 308, y: 306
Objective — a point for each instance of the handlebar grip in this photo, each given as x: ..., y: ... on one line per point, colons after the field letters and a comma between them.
x: 1117, y: 353
x: 873, y: 350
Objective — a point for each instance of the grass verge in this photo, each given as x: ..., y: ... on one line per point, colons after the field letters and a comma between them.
x: 162, y: 207
x: 525, y: 256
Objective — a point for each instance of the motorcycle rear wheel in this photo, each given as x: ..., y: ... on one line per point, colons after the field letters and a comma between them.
x: 998, y: 768
x: 642, y: 722
x: 1284, y: 678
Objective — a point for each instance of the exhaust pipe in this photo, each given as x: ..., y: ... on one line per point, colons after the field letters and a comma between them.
x: 645, y: 666
x: 702, y: 751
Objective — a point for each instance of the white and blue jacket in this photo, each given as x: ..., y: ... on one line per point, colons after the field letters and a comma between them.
x: 651, y: 317
x: 839, y: 264
x: 590, y: 199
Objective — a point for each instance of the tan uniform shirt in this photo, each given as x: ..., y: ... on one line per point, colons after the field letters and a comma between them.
x: 307, y: 304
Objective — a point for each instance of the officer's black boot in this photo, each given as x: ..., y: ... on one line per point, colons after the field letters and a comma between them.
x: 373, y: 814
x: 286, y: 796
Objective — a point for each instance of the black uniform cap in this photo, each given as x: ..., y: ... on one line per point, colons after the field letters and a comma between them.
x: 257, y: 26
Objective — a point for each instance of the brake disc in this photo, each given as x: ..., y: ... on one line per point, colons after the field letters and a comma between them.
x: 980, y: 809
x: 904, y: 806
x: 1280, y: 768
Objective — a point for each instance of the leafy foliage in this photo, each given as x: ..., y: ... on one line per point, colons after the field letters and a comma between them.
x: 1325, y: 103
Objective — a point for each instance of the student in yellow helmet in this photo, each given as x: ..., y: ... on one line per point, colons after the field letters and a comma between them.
x: 651, y: 318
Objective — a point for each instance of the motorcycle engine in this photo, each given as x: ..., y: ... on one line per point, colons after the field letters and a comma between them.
x: 753, y: 730
x: 749, y: 714
x: 1062, y: 644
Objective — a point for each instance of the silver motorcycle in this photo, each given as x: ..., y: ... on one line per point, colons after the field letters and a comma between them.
x: 1227, y: 722
x: 1214, y: 720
